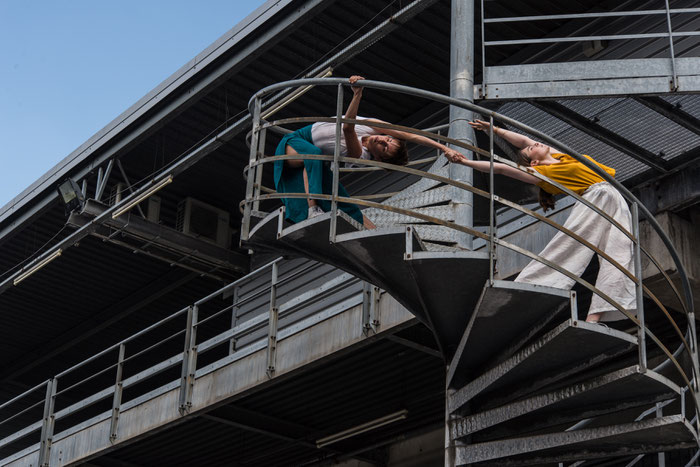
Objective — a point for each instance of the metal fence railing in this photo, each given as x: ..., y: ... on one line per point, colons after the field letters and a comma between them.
x: 661, y: 18
x: 275, y: 301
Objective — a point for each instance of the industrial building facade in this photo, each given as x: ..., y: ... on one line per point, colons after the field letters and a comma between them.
x: 159, y: 310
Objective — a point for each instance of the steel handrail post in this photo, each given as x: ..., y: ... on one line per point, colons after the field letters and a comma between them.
x: 262, y: 134
x: 492, y: 216
x: 47, y: 423
x: 187, y: 373
x: 234, y: 318
x: 117, y: 399
x: 639, y: 289
x: 250, y: 184
x: 674, y: 81
x: 272, y: 323
x: 336, y: 154
x: 484, y: 78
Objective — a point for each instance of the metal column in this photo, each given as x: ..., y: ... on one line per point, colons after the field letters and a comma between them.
x: 462, y: 87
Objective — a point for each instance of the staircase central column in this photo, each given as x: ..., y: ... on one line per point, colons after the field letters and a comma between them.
x: 462, y: 87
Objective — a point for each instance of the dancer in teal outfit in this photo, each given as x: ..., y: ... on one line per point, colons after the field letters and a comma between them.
x: 315, y: 177
x: 294, y: 177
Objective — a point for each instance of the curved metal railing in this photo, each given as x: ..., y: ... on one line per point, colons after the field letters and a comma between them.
x: 254, y: 195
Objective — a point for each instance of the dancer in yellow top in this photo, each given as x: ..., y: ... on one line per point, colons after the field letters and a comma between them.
x: 583, y: 221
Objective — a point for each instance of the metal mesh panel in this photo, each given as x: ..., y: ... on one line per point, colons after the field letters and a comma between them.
x: 651, y: 130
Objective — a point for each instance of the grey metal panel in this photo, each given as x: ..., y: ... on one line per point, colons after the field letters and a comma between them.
x: 592, y: 70
x: 651, y: 435
x: 611, y: 392
x: 381, y: 251
x: 594, y: 78
x: 667, y: 138
x: 448, y: 284
x: 311, y: 238
x: 565, y: 350
x: 505, y: 312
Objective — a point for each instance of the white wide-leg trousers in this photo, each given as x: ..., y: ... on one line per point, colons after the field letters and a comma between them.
x: 573, y: 256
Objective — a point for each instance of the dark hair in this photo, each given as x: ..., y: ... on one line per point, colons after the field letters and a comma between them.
x: 400, y: 155
x: 546, y: 200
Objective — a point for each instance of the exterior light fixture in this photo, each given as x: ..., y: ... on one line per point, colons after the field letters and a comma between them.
x: 356, y: 430
x: 37, y: 266
x: 142, y: 196
x: 71, y: 195
x: 294, y: 95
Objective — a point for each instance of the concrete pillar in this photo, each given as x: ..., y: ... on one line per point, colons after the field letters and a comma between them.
x: 462, y: 87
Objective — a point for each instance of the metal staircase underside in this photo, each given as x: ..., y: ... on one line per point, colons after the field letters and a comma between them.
x: 522, y: 369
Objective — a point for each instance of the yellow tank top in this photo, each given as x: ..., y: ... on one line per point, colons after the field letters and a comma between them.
x: 570, y: 173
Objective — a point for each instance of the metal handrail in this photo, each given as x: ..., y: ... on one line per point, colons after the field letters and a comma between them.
x: 253, y: 195
x: 248, y: 327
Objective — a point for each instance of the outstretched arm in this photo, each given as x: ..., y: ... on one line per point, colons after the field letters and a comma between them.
x: 499, y: 168
x: 410, y: 137
x: 351, y: 140
x: 516, y: 139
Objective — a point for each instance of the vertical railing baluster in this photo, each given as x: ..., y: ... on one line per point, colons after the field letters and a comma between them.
x: 234, y: 318
x: 366, y: 308
x: 259, y: 170
x: 189, y: 360
x: 674, y: 82
x: 117, y: 399
x: 492, y: 220
x: 484, y: 78
x: 250, y: 185
x: 272, y: 324
x: 336, y: 168
x: 47, y: 422
x: 641, y: 335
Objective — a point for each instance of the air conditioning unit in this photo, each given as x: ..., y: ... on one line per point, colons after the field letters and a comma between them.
x: 203, y: 221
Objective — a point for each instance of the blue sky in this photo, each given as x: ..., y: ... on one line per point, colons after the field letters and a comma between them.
x: 70, y: 67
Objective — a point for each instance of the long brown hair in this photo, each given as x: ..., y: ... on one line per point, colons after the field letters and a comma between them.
x: 546, y: 200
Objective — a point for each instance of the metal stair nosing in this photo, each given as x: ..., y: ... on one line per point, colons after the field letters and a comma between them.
x: 603, y: 394
x: 500, y: 325
x: 264, y: 233
x: 556, y: 355
x: 652, y: 435
x: 448, y: 284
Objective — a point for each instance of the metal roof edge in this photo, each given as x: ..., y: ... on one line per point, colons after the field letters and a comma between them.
x: 166, y: 88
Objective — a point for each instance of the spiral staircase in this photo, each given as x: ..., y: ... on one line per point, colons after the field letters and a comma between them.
x: 528, y: 382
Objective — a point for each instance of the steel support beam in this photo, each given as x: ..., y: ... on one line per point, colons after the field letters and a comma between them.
x: 597, y: 131
x: 673, y: 112
x: 415, y: 346
x: 462, y: 87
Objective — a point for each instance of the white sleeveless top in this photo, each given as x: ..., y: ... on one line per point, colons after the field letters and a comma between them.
x: 323, y: 135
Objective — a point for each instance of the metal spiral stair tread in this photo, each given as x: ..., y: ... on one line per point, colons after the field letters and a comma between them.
x: 614, y: 391
x: 652, y: 435
x: 569, y: 348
